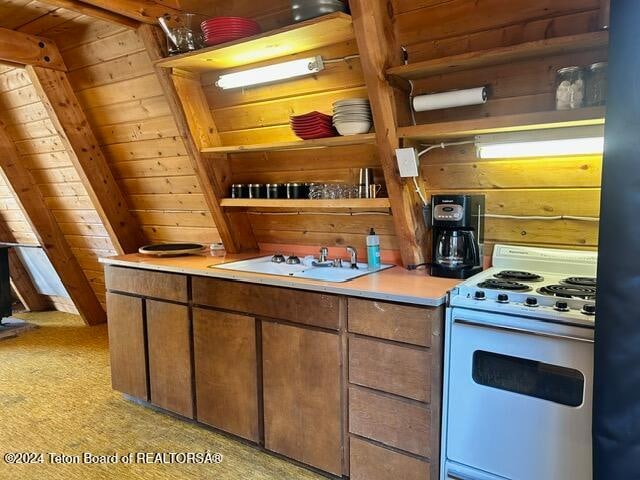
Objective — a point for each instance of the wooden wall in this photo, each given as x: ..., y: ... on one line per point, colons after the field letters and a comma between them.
x: 43, y: 153
x: 520, y: 187
x: 117, y: 87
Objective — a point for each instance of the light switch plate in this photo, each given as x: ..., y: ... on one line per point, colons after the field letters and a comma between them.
x: 408, y: 161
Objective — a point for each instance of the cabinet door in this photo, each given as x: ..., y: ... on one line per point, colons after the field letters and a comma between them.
x: 302, y: 395
x: 169, y: 344
x: 127, y: 346
x: 226, y: 372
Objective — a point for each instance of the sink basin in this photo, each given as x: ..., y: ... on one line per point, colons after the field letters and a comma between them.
x: 264, y: 265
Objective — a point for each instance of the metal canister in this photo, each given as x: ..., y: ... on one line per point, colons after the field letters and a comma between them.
x: 297, y: 190
x: 276, y: 190
x: 239, y: 190
x: 256, y: 190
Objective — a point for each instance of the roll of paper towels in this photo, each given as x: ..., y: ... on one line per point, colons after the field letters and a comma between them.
x: 459, y: 98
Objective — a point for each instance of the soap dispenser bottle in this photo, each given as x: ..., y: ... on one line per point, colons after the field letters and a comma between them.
x: 373, y: 250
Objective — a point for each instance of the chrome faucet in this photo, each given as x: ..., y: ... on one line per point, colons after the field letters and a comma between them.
x: 354, y: 257
x: 324, y: 255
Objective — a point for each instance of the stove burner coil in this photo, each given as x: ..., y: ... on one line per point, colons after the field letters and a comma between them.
x: 581, y: 281
x: 518, y: 276
x: 500, y: 284
x: 569, y: 291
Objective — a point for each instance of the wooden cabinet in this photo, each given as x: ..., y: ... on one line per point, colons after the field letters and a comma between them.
x: 226, y: 372
x: 302, y: 395
x: 127, y: 347
x: 169, y: 344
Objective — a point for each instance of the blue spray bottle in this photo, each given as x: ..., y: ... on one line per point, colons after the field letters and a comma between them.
x: 373, y: 250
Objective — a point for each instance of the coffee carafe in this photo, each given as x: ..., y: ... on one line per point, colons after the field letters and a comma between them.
x: 458, y: 234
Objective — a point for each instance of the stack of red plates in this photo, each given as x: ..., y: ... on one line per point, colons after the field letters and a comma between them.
x: 313, y: 125
x: 226, y: 29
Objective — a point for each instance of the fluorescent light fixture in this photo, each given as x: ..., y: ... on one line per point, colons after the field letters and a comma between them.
x: 542, y: 143
x: 271, y: 73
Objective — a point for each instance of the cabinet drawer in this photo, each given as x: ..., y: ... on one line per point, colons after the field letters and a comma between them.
x: 282, y: 303
x: 393, y: 421
x: 392, y: 321
x: 391, y: 368
x: 167, y: 286
x: 372, y: 462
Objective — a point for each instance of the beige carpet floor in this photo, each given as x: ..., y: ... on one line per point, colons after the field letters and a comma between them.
x: 55, y: 396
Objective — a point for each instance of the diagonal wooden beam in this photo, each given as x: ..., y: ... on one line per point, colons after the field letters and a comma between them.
x: 145, y: 11
x: 24, y: 49
x: 20, y: 279
x: 72, y: 125
x: 193, y: 118
x: 374, y: 34
x: 95, y: 12
x: 48, y: 233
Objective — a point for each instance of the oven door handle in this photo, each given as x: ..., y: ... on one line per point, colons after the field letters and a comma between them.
x: 526, y: 331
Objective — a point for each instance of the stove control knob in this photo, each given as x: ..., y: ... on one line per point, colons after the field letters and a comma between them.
x: 589, y: 309
x: 531, y: 302
x: 479, y: 295
x: 503, y: 298
x: 562, y: 306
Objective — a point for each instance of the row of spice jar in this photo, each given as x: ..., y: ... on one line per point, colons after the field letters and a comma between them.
x: 581, y: 86
x: 270, y: 190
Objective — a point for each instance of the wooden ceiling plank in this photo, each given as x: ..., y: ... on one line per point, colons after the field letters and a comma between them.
x: 193, y: 118
x: 145, y: 11
x: 71, y: 124
x: 20, y: 279
x: 95, y: 12
x: 24, y: 49
x: 48, y: 234
x: 374, y: 35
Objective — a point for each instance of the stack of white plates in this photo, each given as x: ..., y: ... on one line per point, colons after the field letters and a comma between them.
x: 352, y: 116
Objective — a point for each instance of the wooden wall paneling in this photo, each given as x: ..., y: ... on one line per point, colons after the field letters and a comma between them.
x: 196, y: 126
x: 146, y: 11
x: 24, y: 49
x: 95, y: 12
x: 374, y: 33
x: 72, y: 126
x: 20, y: 279
x: 48, y: 233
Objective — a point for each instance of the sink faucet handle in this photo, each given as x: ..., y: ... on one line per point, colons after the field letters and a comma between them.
x: 354, y: 256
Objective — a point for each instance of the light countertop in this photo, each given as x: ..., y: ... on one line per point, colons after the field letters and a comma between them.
x: 395, y: 284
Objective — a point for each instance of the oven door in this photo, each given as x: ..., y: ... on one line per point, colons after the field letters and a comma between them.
x: 519, y: 397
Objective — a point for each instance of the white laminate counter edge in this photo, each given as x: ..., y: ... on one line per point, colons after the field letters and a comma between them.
x: 276, y: 281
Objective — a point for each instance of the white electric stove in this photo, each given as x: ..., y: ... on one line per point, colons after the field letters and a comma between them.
x: 519, y: 368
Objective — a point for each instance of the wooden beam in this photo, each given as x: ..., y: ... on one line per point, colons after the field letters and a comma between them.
x: 373, y: 27
x: 45, y: 227
x: 145, y: 11
x: 20, y: 279
x: 193, y: 118
x: 24, y: 49
x: 95, y: 12
x: 72, y: 125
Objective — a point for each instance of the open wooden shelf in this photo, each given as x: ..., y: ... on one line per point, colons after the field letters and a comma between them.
x: 501, y: 55
x: 297, y: 145
x: 351, y: 203
x: 505, y: 123
x: 300, y: 37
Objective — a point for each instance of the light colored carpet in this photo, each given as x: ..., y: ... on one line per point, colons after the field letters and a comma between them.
x: 55, y: 396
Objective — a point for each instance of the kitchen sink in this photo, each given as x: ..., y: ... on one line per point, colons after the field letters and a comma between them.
x: 324, y: 273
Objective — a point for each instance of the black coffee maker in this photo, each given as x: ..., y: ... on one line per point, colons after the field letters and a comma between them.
x: 458, y: 235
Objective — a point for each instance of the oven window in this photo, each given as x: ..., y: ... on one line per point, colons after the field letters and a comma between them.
x: 528, y: 377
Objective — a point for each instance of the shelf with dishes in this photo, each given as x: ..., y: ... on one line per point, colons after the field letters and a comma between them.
x: 307, y: 204
x: 504, y: 123
x: 300, y: 37
x: 501, y: 55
